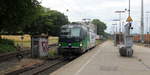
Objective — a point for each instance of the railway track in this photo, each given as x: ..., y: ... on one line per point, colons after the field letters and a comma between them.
x: 6, y: 56
x: 39, y: 68
x: 9, y: 55
x: 44, y: 68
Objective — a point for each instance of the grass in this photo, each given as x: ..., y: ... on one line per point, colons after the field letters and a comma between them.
x: 6, y: 48
x: 26, y: 42
x: 98, y: 41
x: 17, y: 39
x: 52, y: 52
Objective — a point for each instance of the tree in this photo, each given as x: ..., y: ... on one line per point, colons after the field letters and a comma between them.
x: 58, y: 20
x: 28, y: 16
x: 101, y: 26
x: 16, y: 14
x: 49, y: 22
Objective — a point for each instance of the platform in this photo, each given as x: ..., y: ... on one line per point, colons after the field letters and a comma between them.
x: 105, y: 60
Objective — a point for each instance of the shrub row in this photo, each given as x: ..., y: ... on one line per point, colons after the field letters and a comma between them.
x: 7, y: 46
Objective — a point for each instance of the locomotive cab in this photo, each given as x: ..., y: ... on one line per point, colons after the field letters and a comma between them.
x: 72, y: 40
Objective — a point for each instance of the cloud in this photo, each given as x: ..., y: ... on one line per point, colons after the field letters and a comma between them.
x: 101, y: 9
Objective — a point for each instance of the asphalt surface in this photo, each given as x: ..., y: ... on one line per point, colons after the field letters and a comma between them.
x: 105, y: 60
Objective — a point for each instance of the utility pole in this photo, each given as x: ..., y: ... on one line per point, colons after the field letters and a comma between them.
x: 116, y: 20
x: 129, y: 12
x: 114, y: 28
x: 129, y: 7
x: 147, y: 15
x: 115, y: 32
x: 142, y: 21
x: 147, y: 30
x: 120, y: 14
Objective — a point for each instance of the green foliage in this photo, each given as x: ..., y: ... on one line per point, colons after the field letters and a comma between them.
x: 75, y: 23
x: 58, y: 19
x: 52, y: 53
x: 16, y: 14
x: 107, y: 35
x: 6, y: 42
x: 6, y: 48
x: 49, y: 22
x: 6, y: 45
x: 101, y: 26
x: 28, y: 16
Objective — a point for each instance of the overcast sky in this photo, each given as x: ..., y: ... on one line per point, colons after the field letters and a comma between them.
x: 100, y: 9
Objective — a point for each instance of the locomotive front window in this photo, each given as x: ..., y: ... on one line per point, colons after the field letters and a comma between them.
x: 75, y: 32
x: 70, y: 32
x: 65, y: 31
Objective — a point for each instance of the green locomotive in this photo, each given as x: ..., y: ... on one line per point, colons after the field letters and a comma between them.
x: 75, y: 40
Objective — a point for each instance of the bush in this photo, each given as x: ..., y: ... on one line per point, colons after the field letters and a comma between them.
x: 52, y: 53
x: 7, y: 46
x: 7, y: 42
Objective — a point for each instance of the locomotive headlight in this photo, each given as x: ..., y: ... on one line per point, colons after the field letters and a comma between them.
x: 81, y: 44
x: 69, y: 44
x: 59, y: 44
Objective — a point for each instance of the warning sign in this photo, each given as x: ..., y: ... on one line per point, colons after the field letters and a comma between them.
x: 129, y: 19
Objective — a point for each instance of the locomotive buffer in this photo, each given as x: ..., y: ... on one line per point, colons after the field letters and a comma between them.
x: 126, y: 48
